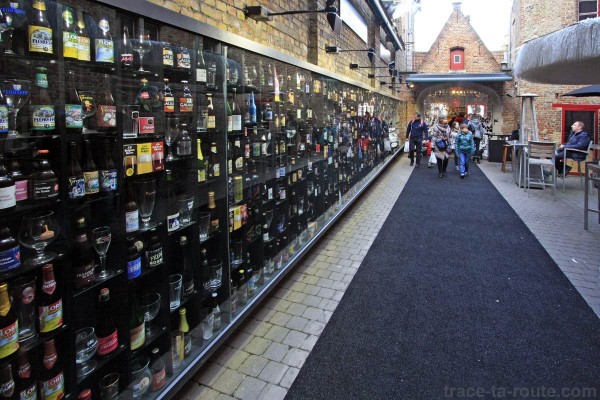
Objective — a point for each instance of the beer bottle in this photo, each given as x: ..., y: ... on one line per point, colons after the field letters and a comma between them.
x: 25, y: 381
x: 183, y: 59
x: 126, y: 57
x: 200, y: 66
x: 184, y: 329
x: 108, y: 170
x: 75, y: 174
x: 167, y: 55
x: 51, y: 380
x: 229, y: 107
x: 211, y: 121
x: 83, y: 256
x: 188, y: 272
x: 7, y: 384
x: 214, y: 169
x: 9, y: 325
x: 184, y: 142
x: 73, y: 106
x: 8, y: 197
x: 70, y: 36
x: 10, y: 251
x: 90, y: 171
x: 157, y: 366
x: 45, y: 182
x: 21, y: 181
x: 108, y: 339
x: 172, y: 206
x: 137, y: 325
x: 104, y: 45
x: 132, y: 220
x: 169, y: 99
x: 50, y: 309
x: 201, y: 162
x: 236, y: 113
x: 154, y: 250
x: 186, y: 101
x: 39, y: 31
x: 43, y: 116
x: 83, y: 39
x: 134, y: 257
x: 214, y: 215
x: 106, y: 110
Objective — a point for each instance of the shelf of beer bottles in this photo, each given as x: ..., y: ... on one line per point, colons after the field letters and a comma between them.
x: 101, y: 362
x: 95, y: 284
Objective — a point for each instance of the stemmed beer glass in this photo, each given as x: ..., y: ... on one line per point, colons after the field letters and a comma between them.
x: 101, y: 237
x: 16, y: 94
x: 142, y: 46
x: 146, y: 195
x: 171, y: 132
x: 37, y: 231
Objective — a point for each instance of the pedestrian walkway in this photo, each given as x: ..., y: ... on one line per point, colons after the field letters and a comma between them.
x: 262, y: 359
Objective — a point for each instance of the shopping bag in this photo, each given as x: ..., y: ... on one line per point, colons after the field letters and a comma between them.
x: 432, y: 159
x: 406, y: 146
x: 387, y: 145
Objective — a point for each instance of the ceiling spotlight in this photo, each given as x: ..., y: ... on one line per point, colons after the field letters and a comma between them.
x: 335, y: 49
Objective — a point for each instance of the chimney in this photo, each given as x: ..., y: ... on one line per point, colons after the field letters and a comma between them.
x: 456, y: 5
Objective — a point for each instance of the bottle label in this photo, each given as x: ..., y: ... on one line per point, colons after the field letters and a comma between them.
x: 159, y: 378
x: 134, y: 268
x: 76, y: 187
x: 70, y: 45
x: 92, y: 182
x: 154, y: 257
x: 107, y: 116
x: 108, y: 180
x: 183, y: 60
x: 138, y: 336
x: 173, y: 222
x: 53, y: 389
x: 10, y: 259
x: 169, y: 104
x: 41, y: 80
x: 9, y: 339
x: 167, y: 57
x: 201, y: 75
x: 237, y: 122
x: 73, y: 116
x: 45, y: 189
x: 201, y: 175
x: 3, y: 119
x: 229, y: 123
x: 43, y: 117
x: 8, y: 197
x: 84, y: 275
x: 211, y: 122
x: 83, y: 48
x: 40, y: 39
x: 50, y: 316
x: 105, y: 51
x: 132, y: 222
x: 28, y: 394
x: 108, y: 344
x: 126, y: 59
x: 186, y: 104
x: 216, y: 169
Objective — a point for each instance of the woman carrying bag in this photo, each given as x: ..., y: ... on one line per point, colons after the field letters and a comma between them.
x: 439, y: 136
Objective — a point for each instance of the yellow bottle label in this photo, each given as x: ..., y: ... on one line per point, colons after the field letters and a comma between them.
x: 51, y: 317
x: 40, y: 39
x: 211, y: 122
x: 70, y: 45
x: 138, y: 336
x: 9, y: 340
x: 83, y: 48
x: 53, y: 389
x: 39, y: 5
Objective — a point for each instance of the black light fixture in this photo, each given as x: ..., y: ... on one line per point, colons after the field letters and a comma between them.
x: 262, y: 13
x: 334, y: 50
x: 390, y: 67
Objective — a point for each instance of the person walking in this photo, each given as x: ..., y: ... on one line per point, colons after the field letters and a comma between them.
x: 476, y: 127
x: 454, y: 132
x: 465, y: 146
x: 416, y: 131
x: 439, y: 135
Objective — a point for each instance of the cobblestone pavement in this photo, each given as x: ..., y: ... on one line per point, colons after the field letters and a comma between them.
x: 263, y: 357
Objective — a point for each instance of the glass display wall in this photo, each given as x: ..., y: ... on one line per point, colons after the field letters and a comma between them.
x: 155, y: 184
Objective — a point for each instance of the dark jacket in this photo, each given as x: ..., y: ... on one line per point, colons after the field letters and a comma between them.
x: 417, y: 129
x: 579, y: 141
x: 464, y: 143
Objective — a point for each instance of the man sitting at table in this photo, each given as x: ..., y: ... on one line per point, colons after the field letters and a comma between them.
x: 578, y: 139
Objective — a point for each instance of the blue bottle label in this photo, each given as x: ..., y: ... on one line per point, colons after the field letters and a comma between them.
x: 10, y: 259
x: 134, y: 268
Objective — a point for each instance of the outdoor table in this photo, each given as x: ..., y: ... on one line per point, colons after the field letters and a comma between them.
x: 495, y: 146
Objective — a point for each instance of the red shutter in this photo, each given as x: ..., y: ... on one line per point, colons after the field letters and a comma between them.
x: 457, y: 59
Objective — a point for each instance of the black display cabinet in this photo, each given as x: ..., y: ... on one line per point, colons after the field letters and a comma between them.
x: 205, y: 166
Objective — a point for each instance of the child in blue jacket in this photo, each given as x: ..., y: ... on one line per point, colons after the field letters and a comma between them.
x: 464, y: 146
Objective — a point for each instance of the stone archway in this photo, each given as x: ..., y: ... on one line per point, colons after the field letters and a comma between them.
x: 495, y: 103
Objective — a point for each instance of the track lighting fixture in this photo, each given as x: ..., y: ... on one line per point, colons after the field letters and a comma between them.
x: 262, y: 13
x: 335, y: 50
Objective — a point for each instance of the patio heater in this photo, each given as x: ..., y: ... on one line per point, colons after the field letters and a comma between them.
x: 529, y: 128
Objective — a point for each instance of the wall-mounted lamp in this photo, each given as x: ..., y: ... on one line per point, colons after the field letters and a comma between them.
x: 390, y: 67
x: 335, y: 50
x: 262, y: 13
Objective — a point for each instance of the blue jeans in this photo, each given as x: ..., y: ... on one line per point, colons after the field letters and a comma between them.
x: 464, y: 162
x: 456, y: 158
